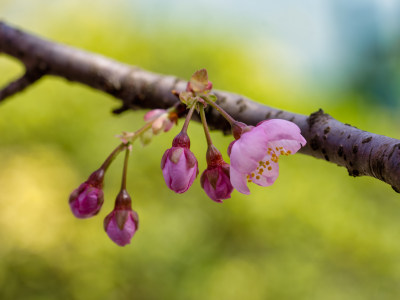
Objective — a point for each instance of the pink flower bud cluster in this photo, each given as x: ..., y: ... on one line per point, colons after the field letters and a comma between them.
x: 180, y: 168
x: 87, y: 200
x: 122, y: 223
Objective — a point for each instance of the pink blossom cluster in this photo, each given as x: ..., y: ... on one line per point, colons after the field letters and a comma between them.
x: 254, y: 157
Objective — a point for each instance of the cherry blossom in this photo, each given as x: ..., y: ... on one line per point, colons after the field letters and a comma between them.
x: 254, y: 156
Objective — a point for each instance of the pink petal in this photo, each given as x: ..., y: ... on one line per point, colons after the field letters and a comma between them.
x: 287, y: 145
x: 124, y: 236
x: 238, y: 181
x: 249, y: 150
x: 216, y: 184
x: 164, y: 158
x: 157, y: 125
x: 278, y: 129
x: 267, y: 177
x: 168, y: 124
x: 152, y: 114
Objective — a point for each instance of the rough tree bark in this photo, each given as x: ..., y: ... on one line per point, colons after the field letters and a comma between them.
x: 361, y: 152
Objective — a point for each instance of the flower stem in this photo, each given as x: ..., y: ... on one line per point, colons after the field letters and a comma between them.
x: 141, y: 130
x: 188, y: 117
x: 112, y: 156
x: 125, y: 170
x: 221, y: 111
x: 205, y: 127
x: 147, y: 126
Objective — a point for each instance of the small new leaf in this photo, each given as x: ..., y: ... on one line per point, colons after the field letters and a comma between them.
x: 199, y: 81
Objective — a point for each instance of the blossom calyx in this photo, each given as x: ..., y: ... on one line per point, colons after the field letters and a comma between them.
x: 215, y: 180
x: 87, y: 199
x: 181, y: 140
x: 238, y: 128
x: 122, y: 223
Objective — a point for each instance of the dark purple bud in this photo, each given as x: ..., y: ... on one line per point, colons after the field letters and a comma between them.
x: 87, y: 199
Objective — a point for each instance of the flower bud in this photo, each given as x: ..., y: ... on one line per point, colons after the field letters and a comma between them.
x: 215, y: 179
x: 122, y: 223
x: 87, y: 199
x: 179, y: 165
x: 162, y: 120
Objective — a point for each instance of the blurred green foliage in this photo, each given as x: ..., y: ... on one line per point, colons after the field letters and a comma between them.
x: 315, y: 234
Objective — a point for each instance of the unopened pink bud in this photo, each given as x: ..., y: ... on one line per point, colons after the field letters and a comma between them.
x: 162, y: 120
x: 179, y: 165
x: 153, y: 114
x: 122, y: 223
x: 87, y: 199
x: 215, y: 179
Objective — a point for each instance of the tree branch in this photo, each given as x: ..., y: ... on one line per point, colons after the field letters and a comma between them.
x: 18, y: 85
x: 361, y: 152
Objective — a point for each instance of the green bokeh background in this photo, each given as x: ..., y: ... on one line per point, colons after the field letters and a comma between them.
x: 315, y: 234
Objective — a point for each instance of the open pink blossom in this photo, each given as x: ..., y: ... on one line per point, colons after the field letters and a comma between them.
x: 179, y: 165
x: 215, y: 179
x: 122, y: 223
x: 163, y: 120
x: 254, y: 156
x: 87, y: 199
